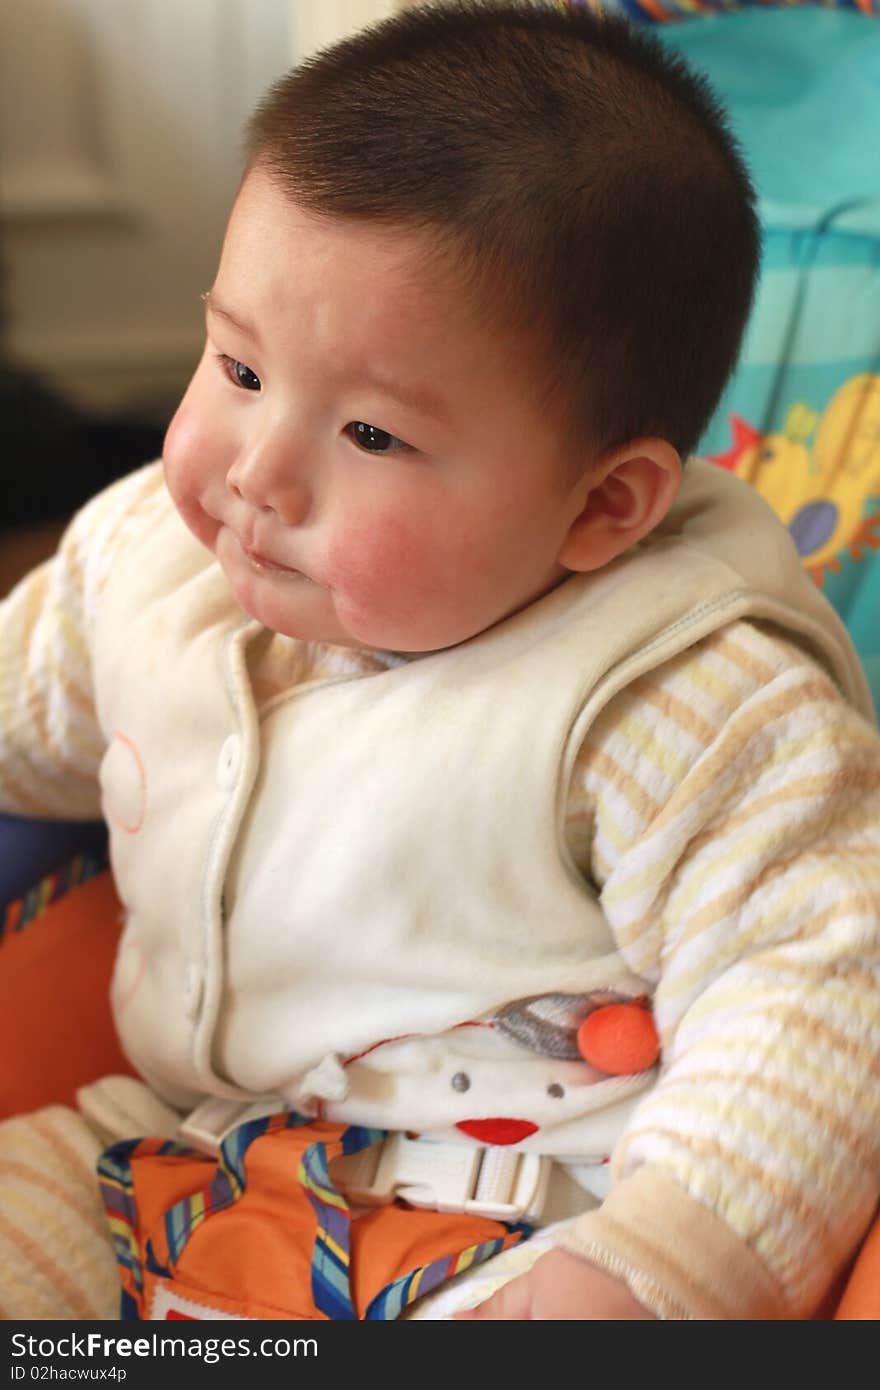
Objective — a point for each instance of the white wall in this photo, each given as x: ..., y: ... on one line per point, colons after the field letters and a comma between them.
x: 120, y: 127
x: 320, y: 22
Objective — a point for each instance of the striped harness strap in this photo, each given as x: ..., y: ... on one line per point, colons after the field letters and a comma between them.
x: 263, y: 1232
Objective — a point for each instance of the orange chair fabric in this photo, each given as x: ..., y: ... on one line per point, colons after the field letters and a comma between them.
x: 56, y: 1030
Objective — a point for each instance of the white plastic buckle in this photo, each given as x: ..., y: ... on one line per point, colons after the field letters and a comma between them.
x: 443, y: 1176
x: 207, y: 1126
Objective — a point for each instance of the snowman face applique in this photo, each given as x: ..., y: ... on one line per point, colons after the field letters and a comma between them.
x: 557, y: 1063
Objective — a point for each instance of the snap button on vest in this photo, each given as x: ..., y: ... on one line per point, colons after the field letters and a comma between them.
x: 229, y: 762
x: 193, y: 990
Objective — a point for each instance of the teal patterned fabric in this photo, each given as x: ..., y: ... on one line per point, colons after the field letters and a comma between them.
x: 801, y: 416
x: 665, y: 11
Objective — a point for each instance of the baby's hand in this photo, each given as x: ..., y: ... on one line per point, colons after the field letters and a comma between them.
x: 560, y: 1285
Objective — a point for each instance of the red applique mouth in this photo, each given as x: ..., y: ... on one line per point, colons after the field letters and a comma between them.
x: 497, y: 1131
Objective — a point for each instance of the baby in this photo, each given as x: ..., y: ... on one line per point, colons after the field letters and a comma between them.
x: 464, y: 748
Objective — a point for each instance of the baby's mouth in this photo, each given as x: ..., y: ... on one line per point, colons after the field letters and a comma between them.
x: 262, y: 562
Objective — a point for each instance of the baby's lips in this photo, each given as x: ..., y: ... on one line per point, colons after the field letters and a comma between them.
x: 497, y: 1131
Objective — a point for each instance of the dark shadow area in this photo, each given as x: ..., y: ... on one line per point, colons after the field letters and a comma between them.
x: 54, y: 456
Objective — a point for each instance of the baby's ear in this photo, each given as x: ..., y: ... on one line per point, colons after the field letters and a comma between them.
x: 625, y: 495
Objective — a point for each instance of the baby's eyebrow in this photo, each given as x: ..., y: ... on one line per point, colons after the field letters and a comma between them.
x: 242, y: 325
x: 419, y: 398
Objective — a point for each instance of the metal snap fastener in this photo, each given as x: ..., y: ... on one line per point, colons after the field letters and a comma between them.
x: 193, y: 990
x: 228, y: 762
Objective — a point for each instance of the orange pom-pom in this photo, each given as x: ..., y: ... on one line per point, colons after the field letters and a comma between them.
x: 619, y: 1039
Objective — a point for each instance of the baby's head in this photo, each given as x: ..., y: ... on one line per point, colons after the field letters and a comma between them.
x: 485, y: 278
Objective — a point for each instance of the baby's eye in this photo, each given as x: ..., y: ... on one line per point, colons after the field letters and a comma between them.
x: 239, y: 374
x: 374, y: 440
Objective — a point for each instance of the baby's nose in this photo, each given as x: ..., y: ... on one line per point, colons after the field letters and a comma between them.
x: 270, y: 489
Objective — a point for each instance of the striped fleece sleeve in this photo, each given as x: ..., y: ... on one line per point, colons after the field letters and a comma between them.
x: 50, y: 743
x: 728, y: 806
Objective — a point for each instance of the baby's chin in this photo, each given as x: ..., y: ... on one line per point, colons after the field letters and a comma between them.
x: 289, y: 604
x: 295, y: 606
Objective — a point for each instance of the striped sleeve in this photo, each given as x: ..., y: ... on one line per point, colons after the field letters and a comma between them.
x: 728, y: 806
x: 50, y: 742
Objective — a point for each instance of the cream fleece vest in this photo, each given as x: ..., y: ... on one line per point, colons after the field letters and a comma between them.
x: 331, y: 904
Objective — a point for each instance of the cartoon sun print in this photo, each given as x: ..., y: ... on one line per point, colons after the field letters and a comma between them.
x: 821, y: 493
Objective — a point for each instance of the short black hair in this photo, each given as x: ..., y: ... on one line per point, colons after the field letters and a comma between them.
x: 583, y: 179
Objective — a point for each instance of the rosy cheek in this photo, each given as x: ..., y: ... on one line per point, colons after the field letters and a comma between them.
x: 188, y: 445
x: 378, y: 569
